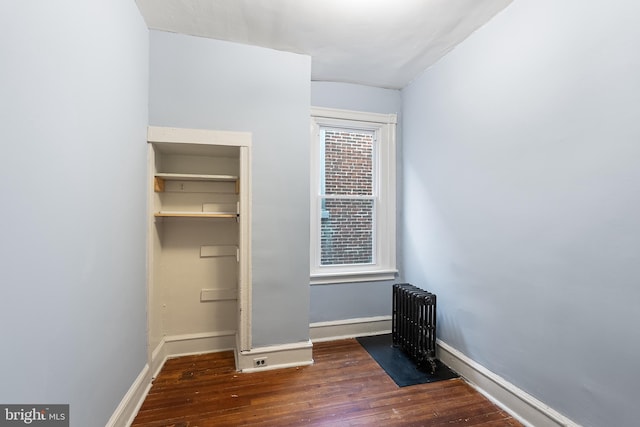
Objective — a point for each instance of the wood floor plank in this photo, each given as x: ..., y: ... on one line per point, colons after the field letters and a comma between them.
x: 344, y: 387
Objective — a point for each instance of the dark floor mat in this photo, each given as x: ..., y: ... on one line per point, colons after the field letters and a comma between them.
x: 398, y: 365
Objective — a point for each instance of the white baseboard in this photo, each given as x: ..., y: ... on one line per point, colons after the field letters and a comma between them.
x: 158, y: 357
x: 275, y: 357
x: 132, y: 400
x: 521, y: 405
x: 524, y: 407
x: 349, y: 328
x: 208, y: 342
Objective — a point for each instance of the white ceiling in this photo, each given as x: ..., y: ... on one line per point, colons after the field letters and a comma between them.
x: 383, y: 43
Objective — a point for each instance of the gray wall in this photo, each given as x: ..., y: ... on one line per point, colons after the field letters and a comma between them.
x: 210, y: 84
x: 355, y: 300
x: 73, y: 114
x: 522, y: 201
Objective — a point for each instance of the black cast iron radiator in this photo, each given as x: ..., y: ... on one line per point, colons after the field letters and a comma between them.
x: 414, y: 324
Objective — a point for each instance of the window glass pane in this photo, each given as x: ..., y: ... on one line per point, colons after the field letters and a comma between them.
x: 348, y: 162
x: 346, y: 232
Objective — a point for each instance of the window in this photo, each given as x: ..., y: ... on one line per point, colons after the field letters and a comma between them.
x: 352, y: 196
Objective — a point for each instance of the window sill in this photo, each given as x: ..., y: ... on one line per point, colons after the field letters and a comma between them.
x: 351, y: 277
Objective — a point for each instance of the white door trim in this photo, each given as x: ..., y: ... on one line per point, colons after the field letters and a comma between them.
x: 158, y: 134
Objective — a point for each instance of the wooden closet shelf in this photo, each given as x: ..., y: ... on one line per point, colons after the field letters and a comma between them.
x: 195, y: 177
x: 166, y: 214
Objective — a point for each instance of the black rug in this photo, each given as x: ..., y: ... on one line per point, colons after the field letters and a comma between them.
x: 398, y: 365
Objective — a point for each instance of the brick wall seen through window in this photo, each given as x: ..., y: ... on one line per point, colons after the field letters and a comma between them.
x: 346, y: 233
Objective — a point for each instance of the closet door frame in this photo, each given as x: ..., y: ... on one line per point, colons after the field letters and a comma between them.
x: 157, y: 134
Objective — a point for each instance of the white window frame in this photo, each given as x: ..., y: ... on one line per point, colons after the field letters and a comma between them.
x: 384, y: 241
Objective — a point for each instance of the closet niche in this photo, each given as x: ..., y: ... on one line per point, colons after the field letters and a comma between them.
x: 198, y: 263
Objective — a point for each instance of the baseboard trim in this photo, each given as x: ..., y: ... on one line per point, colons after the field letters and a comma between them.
x: 521, y: 405
x: 158, y: 357
x: 132, y: 400
x: 525, y: 408
x: 276, y: 356
x: 349, y: 328
x: 208, y: 342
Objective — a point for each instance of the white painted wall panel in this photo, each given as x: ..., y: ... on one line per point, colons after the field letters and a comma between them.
x: 522, y: 201
x: 73, y: 113
x: 209, y: 84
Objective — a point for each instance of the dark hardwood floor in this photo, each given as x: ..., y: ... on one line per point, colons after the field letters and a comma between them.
x: 344, y: 387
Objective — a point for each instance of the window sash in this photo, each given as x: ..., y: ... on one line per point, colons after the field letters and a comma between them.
x: 382, y: 126
x: 374, y: 169
x: 362, y: 232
